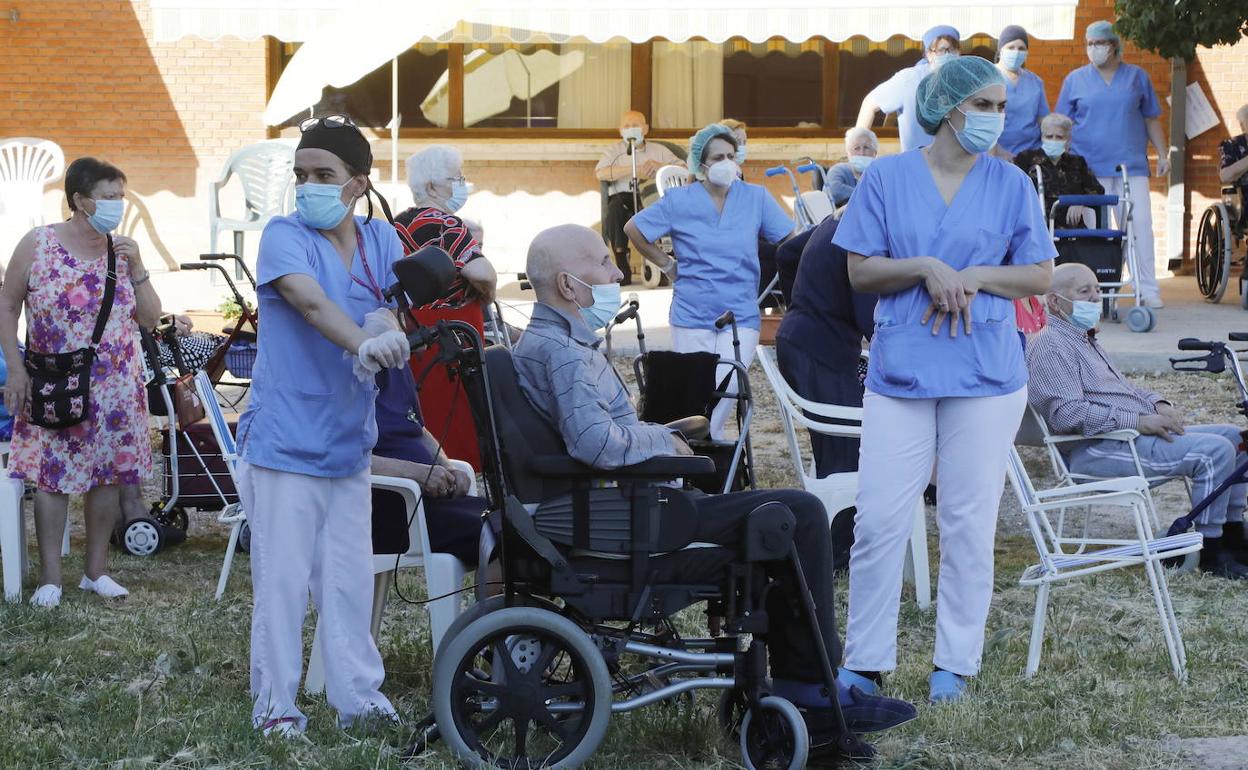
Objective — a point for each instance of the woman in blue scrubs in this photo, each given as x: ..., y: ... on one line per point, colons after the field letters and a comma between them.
x: 306, y: 436
x: 947, y: 236
x: 1026, y: 102
x: 715, y: 227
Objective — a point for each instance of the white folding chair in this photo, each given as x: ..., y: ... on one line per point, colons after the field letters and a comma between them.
x: 27, y: 165
x: 838, y: 491
x: 444, y: 573
x: 1097, y: 554
x: 233, y: 513
x: 818, y: 205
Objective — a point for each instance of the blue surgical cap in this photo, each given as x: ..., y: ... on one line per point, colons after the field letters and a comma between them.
x: 1101, y: 30
x: 949, y: 86
x: 939, y: 31
x: 699, y: 141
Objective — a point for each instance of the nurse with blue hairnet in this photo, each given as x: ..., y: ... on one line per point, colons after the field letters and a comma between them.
x: 947, y: 236
x: 715, y: 225
x: 940, y: 44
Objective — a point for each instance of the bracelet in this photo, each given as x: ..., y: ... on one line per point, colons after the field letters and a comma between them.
x: 146, y: 277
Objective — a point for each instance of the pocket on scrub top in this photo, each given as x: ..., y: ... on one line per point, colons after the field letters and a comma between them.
x: 991, y: 247
x: 893, y: 357
x: 998, y: 353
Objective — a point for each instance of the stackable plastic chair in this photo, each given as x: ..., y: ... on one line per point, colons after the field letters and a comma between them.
x: 27, y: 165
x: 838, y: 491
x: 265, y: 171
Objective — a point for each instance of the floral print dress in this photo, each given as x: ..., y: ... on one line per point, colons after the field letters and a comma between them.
x: 112, y: 446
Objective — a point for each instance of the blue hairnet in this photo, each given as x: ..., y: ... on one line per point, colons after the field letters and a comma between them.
x: 949, y: 86
x: 698, y: 143
x: 939, y: 31
x: 1101, y: 30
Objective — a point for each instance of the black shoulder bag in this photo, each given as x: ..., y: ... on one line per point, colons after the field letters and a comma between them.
x: 60, y: 383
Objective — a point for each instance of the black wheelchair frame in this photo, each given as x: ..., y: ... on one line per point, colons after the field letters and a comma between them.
x: 530, y: 677
x: 1223, y: 227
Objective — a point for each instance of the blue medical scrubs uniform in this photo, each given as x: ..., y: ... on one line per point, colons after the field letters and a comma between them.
x: 1110, y: 118
x: 897, y: 94
x: 994, y: 219
x: 1026, y: 103
x: 716, y: 252
x: 308, y: 413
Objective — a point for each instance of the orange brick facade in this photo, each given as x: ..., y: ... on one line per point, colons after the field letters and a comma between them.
x: 87, y: 75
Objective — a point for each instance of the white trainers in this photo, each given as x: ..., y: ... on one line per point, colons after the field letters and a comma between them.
x: 1153, y: 302
x: 47, y: 595
x: 104, y: 586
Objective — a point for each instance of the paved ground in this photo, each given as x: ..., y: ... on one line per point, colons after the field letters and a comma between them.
x: 1186, y: 315
x: 1213, y: 753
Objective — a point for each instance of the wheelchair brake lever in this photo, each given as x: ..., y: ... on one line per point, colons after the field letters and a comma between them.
x: 1212, y: 363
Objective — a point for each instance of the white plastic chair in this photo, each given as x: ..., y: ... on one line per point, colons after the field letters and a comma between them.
x: 669, y: 177
x: 14, y: 560
x: 265, y: 171
x: 838, y: 491
x: 27, y: 165
x: 443, y: 573
x: 1097, y: 554
x: 818, y: 205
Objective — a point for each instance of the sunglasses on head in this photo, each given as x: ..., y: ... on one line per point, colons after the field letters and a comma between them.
x: 327, y: 121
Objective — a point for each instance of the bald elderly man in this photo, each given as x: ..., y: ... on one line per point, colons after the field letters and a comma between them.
x: 569, y: 381
x: 616, y: 168
x: 1076, y: 390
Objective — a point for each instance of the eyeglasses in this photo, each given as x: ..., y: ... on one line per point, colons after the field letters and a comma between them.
x: 945, y: 50
x: 1100, y: 43
x: 460, y: 178
x: 326, y: 121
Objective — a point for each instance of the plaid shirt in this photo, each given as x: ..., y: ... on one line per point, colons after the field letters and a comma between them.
x: 1075, y: 388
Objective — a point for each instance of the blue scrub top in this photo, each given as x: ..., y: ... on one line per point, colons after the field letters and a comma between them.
x: 897, y: 94
x: 1025, y: 104
x: 716, y: 252
x: 308, y: 413
x: 994, y: 219
x: 1109, y: 119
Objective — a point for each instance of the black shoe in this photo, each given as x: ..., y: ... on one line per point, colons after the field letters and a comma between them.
x: 863, y: 714
x: 1216, y: 560
x: 1234, y: 540
x: 929, y: 494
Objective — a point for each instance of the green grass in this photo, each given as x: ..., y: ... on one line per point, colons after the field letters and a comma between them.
x: 160, y: 680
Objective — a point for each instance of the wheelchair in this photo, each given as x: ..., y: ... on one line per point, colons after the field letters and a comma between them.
x: 1223, y: 226
x: 584, y: 626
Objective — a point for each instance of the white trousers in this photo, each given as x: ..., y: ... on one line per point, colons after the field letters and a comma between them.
x: 311, y: 533
x: 1141, y: 229
x: 686, y: 340
x: 969, y: 439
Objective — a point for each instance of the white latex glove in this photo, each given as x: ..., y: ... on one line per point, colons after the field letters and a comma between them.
x: 380, y: 321
x: 388, y: 349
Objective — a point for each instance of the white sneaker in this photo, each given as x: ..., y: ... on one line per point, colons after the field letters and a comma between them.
x: 47, y: 595
x: 284, y: 727
x: 104, y: 586
x: 1153, y: 302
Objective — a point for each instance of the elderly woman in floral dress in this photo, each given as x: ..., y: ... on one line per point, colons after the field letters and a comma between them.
x: 58, y: 273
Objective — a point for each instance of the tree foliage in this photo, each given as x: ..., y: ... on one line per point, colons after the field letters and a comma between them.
x: 1176, y: 28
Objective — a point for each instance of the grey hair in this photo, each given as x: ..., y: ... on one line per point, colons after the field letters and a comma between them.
x: 1056, y: 120
x: 853, y: 134
x: 432, y: 164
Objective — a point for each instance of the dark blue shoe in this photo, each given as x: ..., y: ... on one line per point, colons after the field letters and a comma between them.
x: 873, y: 713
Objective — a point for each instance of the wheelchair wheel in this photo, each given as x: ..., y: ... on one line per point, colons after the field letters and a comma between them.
x: 485, y: 607
x: 1213, y: 253
x: 142, y: 537
x: 731, y: 712
x: 651, y: 276
x: 244, y: 539
x: 1243, y: 293
x: 496, y: 681
x: 1141, y: 319
x: 774, y: 736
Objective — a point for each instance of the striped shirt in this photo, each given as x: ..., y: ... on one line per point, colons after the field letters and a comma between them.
x: 1074, y: 387
x: 421, y: 227
x: 571, y: 384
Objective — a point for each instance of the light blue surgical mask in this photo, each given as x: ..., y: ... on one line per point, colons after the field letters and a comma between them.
x: 459, y: 196
x: 606, y: 303
x: 941, y: 58
x: 1053, y: 147
x: 107, y: 215
x: 981, y: 130
x: 860, y: 162
x: 1084, y: 313
x: 1012, y: 58
x: 320, y: 205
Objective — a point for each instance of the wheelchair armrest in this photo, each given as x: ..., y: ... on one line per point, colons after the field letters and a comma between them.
x: 657, y: 468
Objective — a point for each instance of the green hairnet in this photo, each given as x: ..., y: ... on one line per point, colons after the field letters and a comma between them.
x: 699, y: 141
x: 950, y: 85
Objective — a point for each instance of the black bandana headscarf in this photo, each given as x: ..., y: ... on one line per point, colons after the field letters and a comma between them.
x: 348, y: 145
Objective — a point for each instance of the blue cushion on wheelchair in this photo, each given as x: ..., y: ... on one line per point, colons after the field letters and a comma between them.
x: 1083, y: 233
x: 1095, y: 201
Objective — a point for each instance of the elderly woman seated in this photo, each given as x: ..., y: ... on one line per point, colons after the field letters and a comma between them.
x: 1063, y: 172
x: 862, y: 146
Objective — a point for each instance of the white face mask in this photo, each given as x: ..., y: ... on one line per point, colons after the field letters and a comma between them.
x: 632, y: 132
x: 1099, y: 54
x: 723, y: 173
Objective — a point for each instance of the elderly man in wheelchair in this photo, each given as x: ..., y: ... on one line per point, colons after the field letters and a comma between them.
x: 602, y: 551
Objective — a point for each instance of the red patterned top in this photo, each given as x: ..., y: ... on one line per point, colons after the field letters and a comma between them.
x: 421, y: 227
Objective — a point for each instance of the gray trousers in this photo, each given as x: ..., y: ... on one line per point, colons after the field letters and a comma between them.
x: 1206, y: 454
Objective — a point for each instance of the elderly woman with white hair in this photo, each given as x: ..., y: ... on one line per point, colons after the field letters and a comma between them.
x: 439, y: 189
x: 862, y: 147
x: 1062, y: 171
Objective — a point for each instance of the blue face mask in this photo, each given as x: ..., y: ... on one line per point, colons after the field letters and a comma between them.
x: 606, y: 303
x: 1053, y: 147
x: 860, y: 162
x: 1012, y: 59
x: 981, y: 130
x: 107, y: 215
x: 320, y: 205
x: 459, y: 196
x: 1084, y: 313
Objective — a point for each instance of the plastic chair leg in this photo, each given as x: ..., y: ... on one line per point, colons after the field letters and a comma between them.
x: 443, y: 574
x: 314, y: 682
x: 229, y: 559
x: 65, y: 538
x: 12, y: 541
x: 917, y: 567
x: 381, y: 588
x: 1037, y: 629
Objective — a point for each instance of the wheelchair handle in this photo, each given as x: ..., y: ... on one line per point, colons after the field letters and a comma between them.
x: 725, y: 319
x: 775, y: 170
x: 195, y: 266
x: 807, y: 167
x: 1238, y: 336
x: 1191, y: 343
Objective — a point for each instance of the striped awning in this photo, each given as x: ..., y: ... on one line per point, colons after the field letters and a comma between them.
x: 603, y: 20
